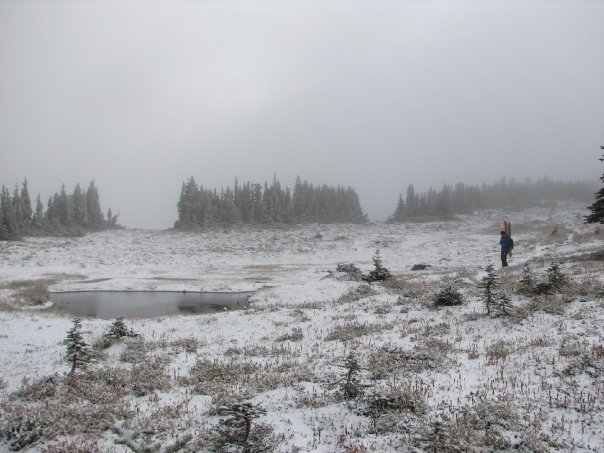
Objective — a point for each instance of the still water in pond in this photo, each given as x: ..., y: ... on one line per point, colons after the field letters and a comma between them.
x: 145, y: 304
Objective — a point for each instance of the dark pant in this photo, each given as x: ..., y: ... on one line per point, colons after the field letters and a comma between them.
x: 504, y: 258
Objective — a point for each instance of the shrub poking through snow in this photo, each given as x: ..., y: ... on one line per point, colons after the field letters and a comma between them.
x: 350, y: 271
x: 357, y: 293
x: 238, y: 431
x: 448, y: 296
x: 79, y: 353
x: 137, y: 443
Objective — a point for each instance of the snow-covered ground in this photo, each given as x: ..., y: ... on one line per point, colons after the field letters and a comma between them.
x: 430, y: 379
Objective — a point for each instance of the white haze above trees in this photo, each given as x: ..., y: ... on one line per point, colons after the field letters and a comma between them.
x: 374, y: 95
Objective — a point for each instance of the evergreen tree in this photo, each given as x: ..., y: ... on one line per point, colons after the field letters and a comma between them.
x: 504, y: 194
x: 300, y: 201
x: 188, y: 205
x: 379, y: 272
x: 16, y: 205
x: 448, y: 296
x: 11, y: 226
x: 118, y: 330
x: 412, y: 201
x: 263, y: 204
x: 79, y: 354
x: 400, y: 212
x: 238, y: 431
x: 503, y: 304
x: 38, y: 217
x: 80, y: 207
x: 490, y: 285
x: 351, y: 385
x: 555, y: 278
x: 3, y: 230
x: 63, y: 207
x: 93, y: 207
x: 25, y: 207
x: 597, y: 208
x: 527, y: 281
x: 66, y: 213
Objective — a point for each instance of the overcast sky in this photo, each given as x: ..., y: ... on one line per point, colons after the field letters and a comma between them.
x: 141, y: 95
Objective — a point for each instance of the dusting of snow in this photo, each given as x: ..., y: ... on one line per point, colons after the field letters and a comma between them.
x: 288, y: 269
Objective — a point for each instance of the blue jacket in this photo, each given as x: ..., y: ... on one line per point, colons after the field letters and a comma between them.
x: 506, y: 243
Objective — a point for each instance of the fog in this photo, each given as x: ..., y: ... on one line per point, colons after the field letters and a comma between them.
x: 140, y: 95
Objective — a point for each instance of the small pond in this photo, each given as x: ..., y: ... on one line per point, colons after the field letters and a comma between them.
x: 145, y: 304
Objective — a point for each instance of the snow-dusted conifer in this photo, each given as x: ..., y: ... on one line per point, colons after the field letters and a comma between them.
x: 379, y: 272
x: 490, y: 285
x: 597, y: 208
x: 79, y: 353
x: 527, y: 281
x: 118, y: 329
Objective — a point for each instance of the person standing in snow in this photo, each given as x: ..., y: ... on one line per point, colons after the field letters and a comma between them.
x: 507, y: 244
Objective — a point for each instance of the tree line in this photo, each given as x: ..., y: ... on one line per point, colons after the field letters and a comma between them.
x: 261, y: 204
x: 505, y: 194
x: 68, y: 214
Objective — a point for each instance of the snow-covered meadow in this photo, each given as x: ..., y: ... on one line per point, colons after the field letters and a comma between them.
x: 430, y: 379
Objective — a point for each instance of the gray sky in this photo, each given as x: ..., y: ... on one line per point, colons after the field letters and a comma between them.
x: 140, y: 95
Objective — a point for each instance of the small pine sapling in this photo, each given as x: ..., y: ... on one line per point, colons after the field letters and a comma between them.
x: 239, y: 430
x: 504, y: 304
x: 448, y: 296
x: 527, y: 281
x: 490, y: 285
x: 379, y: 272
x: 350, y: 385
x: 79, y: 353
x: 555, y: 281
x: 118, y: 330
x: 555, y: 277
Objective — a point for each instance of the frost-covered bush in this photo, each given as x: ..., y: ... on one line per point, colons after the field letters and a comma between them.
x: 352, y: 330
x: 139, y: 442
x: 22, y: 427
x: 497, y: 351
x: 359, y: 292
x: 428, y: 354
x: 295, y: 335
x: 64, y: 406
x: 187, y: 344
x: 148, y: 376
x: 486, y: 424
x: 40, y: 389
x: 349, y: 271
x: 135, y: 351
x: 213, y: 377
